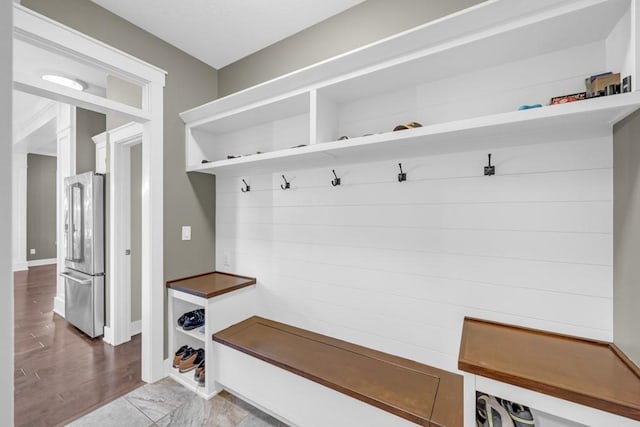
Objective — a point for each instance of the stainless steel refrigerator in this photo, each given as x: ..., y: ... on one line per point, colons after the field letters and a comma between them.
x: 84, y: 259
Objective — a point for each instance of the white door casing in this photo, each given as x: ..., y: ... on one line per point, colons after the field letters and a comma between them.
x: 19, y: 211
x: 120, y: 141
x: 66, y: 166
x: 35, y: 29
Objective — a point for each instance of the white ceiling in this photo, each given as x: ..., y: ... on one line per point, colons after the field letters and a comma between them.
x: 27, y: 138
x: 219, y: 32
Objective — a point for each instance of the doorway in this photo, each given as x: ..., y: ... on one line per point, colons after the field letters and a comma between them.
x: 50, y: 39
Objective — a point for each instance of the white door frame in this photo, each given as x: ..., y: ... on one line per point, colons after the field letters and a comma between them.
x: 35, y: 29
x: 120, y: 141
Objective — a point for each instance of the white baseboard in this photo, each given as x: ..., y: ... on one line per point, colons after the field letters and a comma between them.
x: 20, y: 266
x: 39, y: 262
x: 58, y: 306
x: 135, y: 328
x: 108, y: 335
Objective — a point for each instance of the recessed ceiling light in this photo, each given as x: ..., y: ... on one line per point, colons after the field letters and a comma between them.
x: 65, y: 81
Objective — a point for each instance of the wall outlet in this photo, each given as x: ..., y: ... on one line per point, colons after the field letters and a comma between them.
x: 32, y: 251
x: 226, y: 259
x: 186, y: 232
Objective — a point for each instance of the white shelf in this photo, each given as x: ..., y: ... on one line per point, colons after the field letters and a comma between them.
x: 582, y: 119
x: 460, y: 79
x: 187, y: 380
x: 195, y: 333
x: 470, y: 22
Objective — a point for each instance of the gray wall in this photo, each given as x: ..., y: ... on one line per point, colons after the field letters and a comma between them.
x: 188, y: 200
x: 125, y: 92
x: 365, y: 23
x: 136, y: 232
x: 88, y: 124
x: 626, y: 235
x: 41, y: 206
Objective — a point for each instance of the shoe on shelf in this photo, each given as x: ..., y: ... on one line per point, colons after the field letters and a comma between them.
x: 178, y: 355
x: 520, y: 414
x: 198, y: 371
x: 489, y: 413
x: 194, y: 321
x: 190, y: 362
x: 410, y: 125
x: 201, y: 378
x: 188, y: 353
x: 187, y: 315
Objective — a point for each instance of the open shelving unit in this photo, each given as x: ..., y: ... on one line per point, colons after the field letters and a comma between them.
x: 226, y: 299
x: 464, y: 85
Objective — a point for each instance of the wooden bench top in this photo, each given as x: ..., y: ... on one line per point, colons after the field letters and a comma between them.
x: 210, y: 285
x: 589, y: 372
x: 419, y: 393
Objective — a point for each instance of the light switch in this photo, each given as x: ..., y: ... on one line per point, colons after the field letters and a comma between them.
x: 32, y: 252
x: 186, y: 232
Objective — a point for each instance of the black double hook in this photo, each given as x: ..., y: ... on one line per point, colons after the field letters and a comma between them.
x: 402, y: 176
x: 286, y: 184
x: 489, y: 170
x: 246, y: 187
x: 335, y: 182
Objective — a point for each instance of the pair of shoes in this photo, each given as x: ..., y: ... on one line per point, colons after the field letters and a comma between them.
x: 501, y: 413
x: 187, y: 358
x: 190, y: 360
x: 192, y: 319
x: 199, y: 374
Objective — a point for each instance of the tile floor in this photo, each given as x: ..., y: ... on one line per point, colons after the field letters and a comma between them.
x: 167, y: 403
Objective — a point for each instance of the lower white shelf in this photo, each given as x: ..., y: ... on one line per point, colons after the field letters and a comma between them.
x: 195, y: 333
x: 187, y: 380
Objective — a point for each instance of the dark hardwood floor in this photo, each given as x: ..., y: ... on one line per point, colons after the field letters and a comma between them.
x: 60, y: 373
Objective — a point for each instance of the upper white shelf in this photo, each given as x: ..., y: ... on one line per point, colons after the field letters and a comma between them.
x: 461, y: 77
x: 583, y: 119
x: 489, y: 16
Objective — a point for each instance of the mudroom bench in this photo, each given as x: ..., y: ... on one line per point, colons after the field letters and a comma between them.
x: 582, y: 381
x: 276, y: 367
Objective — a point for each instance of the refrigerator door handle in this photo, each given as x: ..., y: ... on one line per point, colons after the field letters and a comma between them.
x: 76, y: 222
x: 75, y: 279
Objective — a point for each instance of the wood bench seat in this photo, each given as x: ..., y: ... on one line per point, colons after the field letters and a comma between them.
x: 411, y: 390
x: 593, y: 373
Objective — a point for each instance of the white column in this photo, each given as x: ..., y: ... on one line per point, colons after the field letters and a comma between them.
x: 152, y: 237
x: 66, y: 166
x: 19, y: 211
x: 6, y: 277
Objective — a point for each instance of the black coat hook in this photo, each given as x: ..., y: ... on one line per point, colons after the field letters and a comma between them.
x: 336, y: 181
x: 402, y: 176
x: 286, y: 185
x: 489, y: 170
x: 246, y: 188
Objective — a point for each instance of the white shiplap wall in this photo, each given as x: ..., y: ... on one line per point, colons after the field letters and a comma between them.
x: 396, y: 266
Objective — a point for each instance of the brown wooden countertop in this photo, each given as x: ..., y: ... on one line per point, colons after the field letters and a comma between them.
x: 210, y: 285
x: 414, y: 391
x: 589, y: 372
